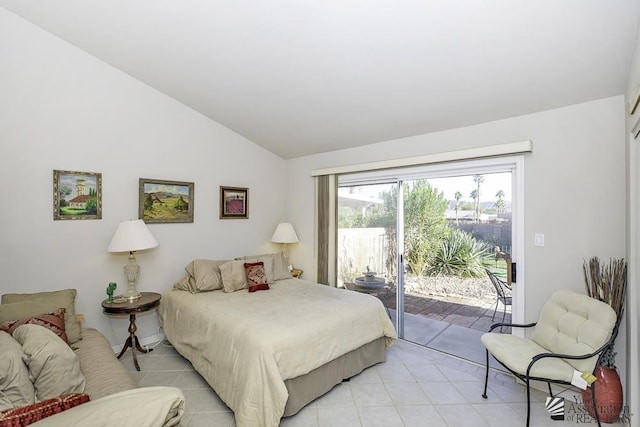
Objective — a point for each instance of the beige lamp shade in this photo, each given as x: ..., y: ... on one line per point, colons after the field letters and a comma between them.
x: 284, y: 234
x: 131, y: 236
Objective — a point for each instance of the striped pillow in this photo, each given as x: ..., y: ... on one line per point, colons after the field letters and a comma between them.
x: 52, y: 321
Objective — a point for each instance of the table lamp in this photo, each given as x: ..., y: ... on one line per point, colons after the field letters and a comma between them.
x: 285, y: 234
x: 132, y: 236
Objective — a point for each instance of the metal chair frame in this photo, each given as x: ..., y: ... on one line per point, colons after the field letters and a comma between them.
x: 500, y: 286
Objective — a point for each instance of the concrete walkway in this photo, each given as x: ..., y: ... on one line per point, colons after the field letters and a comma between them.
x: 452, y: 325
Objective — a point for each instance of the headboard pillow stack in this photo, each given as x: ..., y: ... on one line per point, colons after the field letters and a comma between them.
x: 205, y: 275
x: 279, y: 268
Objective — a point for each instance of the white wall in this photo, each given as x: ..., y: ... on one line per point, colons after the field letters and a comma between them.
x: 574, y: 189
x: 60, y: 108
x: 633, y: 220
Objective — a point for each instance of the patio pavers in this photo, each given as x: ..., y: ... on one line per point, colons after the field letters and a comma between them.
x: 472, y: 313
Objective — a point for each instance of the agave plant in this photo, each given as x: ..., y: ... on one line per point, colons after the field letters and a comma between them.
x: 459, y: 254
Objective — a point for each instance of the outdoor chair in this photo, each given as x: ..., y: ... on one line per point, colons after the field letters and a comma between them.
x: 572, y: 332
x: 503, y: 291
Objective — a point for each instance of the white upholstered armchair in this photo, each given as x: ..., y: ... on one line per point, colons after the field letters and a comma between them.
x: 571, y: 333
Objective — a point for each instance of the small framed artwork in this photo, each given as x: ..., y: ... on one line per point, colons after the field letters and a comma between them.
x: 77, y: 195
x: 234, y: 203
x: 162, y: 202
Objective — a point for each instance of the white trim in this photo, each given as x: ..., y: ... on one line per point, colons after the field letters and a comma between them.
x: 633, y: 297
x: 447, y: 156
x: 519, y: 289
x: 430, y: 171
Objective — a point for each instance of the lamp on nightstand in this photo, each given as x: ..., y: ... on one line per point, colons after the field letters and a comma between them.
x: 131, y: 236
x: 285, y: 234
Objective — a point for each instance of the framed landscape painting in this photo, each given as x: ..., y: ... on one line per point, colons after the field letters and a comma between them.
x: 77, y: 195
x: 234, y: 203
x: 165, y: 201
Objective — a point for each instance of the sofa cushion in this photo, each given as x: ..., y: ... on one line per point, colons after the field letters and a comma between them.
x: 142, y: 407
x: 15, y: 386
x: 103, y: 372
x: 45, y: 302
x: 54, y: 368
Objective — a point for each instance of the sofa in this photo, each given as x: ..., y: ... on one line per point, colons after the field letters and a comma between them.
x: 58, y: 356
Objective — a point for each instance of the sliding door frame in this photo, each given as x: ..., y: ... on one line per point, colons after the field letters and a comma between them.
x: 513, y: 164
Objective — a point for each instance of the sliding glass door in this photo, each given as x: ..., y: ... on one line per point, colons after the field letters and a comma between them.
x: 413, y: 236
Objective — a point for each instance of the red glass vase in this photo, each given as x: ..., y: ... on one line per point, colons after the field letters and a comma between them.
x: 608, y: 391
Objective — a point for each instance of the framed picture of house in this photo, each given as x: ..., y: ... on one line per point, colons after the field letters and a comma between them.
x: 77, y: 195
x: 234, y: 203
x: 162, y: 201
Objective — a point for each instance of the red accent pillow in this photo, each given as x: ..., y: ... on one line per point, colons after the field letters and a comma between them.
x: 256, y: 276
x: 26, y: 415
x: 53, y: 321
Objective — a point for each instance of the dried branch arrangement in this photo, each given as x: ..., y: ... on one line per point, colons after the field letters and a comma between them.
x: 607, y: 283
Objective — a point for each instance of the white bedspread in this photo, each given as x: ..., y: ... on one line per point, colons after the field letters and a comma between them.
x: 246, y: 344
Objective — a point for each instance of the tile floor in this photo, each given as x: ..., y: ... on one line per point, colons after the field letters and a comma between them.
x: 416, y: 386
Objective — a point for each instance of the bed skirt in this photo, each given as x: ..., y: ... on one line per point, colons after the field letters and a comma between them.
x: 306, y: 388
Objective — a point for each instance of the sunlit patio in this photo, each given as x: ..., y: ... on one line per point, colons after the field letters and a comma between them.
x: 451, y: 324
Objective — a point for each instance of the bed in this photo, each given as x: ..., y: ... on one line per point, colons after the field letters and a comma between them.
x: 269, y: 353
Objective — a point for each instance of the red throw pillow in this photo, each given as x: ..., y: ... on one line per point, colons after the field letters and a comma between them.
x: 26, y: 415
x: 53, y: 321
x: 256, y: 276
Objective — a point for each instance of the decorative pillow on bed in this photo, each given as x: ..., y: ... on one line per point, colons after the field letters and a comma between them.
x: 234, y: 277
x: 15, y: 386
x: 267, y: 265
x: 52, y: 321
x: 54, y: 368
x: 47, y: 302
x: 279, y: 267
x: 256, y: 276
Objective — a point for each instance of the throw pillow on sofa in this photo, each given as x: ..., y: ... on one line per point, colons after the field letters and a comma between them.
x: 53, y: 321
x: 30, y: 414
x: 15, y: 386
x: 54, y: 368
x: 43, y: 302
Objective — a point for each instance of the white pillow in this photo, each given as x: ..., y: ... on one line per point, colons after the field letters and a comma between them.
x: 234, y: 277
x: 54, y: 369
x: 15, y: 386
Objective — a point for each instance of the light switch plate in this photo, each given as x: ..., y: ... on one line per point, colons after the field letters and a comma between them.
x: 538, y: 239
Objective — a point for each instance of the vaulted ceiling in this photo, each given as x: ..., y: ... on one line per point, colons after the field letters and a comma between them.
x: 300, y: 77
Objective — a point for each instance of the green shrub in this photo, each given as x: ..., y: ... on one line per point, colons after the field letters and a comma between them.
x: 459, y: 254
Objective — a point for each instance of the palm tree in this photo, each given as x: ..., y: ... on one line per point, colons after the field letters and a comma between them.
x: 474, y: 196
x: 500, y: 204
x: 458, y: 196
x: 478, y: 179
